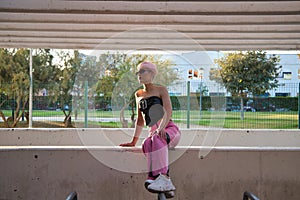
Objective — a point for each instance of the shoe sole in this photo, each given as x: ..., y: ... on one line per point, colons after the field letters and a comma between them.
x: 155, y: 191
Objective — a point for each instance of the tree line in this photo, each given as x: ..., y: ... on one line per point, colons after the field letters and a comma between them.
x: 62, y: 74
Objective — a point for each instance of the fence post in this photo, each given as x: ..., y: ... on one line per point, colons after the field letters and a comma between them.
x: 30, y: 90
x: 86, y: 104
x: 188, y: 104
x: 200, y: 100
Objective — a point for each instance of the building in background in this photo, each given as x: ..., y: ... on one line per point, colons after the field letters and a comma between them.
x: 195, y: 67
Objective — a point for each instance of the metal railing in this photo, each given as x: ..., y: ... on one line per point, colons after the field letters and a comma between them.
x: 249, y: 196
x: 72, y: 196
x: 161, y: 196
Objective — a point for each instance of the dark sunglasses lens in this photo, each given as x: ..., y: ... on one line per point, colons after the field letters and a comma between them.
x: 140, y: 72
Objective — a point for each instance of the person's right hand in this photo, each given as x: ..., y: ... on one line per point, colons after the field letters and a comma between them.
x: 130, y: 144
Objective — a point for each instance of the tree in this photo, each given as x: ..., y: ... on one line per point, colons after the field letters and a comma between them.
x: 56, y: 78
x: 14, y: 79
x: 252, y: 73
x: 111, y: 70
x: 68, y: 65
x: 87, y: 70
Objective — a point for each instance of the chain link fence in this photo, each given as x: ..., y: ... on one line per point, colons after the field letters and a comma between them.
x: 195, y: 105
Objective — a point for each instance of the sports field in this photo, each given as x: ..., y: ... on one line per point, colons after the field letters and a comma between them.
x: 197, y: 119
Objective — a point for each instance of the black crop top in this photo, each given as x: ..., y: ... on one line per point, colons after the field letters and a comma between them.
x: 152, y: 108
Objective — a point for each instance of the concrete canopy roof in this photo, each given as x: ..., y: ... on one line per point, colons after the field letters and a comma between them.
x: 175, y: 25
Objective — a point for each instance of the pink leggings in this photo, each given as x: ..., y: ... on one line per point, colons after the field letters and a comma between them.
x: 156, y: 149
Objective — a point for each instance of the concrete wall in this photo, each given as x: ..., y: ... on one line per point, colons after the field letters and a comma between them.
x: 48, y: 164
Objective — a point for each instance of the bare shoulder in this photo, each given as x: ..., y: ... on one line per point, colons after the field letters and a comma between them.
x: 162, y: 89
x: 139, y: 93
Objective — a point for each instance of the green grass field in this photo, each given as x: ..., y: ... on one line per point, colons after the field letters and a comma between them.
x: 254, y: 120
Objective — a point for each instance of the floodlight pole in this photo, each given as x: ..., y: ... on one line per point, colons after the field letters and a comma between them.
x: 200, y: 76
x: 200, y: 99
x: 30, y: 90
x: 188, y: 104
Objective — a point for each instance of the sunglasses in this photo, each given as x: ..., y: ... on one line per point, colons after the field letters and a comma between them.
x: 141, y: 71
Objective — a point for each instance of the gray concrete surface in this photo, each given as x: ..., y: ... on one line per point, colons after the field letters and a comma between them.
x: 48, y: 164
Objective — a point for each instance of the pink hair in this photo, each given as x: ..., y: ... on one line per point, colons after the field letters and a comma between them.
x: 148, y: 65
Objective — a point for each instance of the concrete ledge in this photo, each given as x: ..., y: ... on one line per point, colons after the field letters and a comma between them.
x: 113, y: 137
x: 139, y: 149
x: 49, y: 164
x: 53, y: 173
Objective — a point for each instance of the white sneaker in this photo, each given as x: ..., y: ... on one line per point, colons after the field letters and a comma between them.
x: 169, y: 194
x: 161, y: 184
x: 148, y: 182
